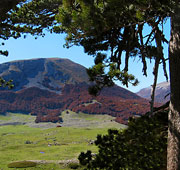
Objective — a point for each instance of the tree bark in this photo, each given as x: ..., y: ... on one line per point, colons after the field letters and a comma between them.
x: 173, y: 155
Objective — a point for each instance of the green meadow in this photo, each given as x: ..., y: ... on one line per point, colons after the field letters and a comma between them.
x: 51, y: 147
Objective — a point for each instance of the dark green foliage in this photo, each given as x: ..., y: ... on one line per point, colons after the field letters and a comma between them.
x: 20, y: 17
x: 73, y: 165
x: 28, y: 142
x: 141, y: 146
x: 98, y: 74
x: 115, y: 27
x: 22, y: 164
x: 7, y: 28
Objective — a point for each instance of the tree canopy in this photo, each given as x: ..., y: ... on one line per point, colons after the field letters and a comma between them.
x: 25, y: 16
x: 113, y: 32
x: 116, y: 26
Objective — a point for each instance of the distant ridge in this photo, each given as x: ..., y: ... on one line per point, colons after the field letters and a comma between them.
x: 47, y: 86
x: 162, y: 93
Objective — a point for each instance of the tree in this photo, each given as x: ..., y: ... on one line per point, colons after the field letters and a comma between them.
x: 6, y: 27
x: 117, y: 26
x: 174, y: 114
x: 19, y: 17
x: 129, y: 148
x: 99, y: 26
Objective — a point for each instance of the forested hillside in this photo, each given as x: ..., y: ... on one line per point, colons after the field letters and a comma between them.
x: 46, y: 87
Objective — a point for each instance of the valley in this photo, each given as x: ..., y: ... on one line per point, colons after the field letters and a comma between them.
x: 46, y: 143
x: 50, y: 118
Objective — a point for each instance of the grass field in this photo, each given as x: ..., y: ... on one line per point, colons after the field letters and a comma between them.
x: 50, y: 146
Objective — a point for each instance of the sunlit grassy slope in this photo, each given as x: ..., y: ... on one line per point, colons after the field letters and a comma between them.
x: 45, y: 141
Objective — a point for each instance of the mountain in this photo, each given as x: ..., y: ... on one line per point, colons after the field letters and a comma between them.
x: 46, y: 87
x: 48, y: 74
x: 161, y: 94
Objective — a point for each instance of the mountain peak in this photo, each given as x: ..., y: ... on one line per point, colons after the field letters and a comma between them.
x: 162, y: 90
x: 45, y: 73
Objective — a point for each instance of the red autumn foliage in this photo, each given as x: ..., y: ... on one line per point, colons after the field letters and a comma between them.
x: 47, y: 106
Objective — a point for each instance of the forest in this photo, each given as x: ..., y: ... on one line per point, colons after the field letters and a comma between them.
x: 47, y: 106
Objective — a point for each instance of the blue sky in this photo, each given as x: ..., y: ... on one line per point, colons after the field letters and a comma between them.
x: 52, y: 46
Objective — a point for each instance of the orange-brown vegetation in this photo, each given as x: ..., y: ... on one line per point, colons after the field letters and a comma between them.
x: 47, y: 106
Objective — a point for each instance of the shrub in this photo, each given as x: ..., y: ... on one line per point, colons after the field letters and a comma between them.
x: 22, y: 164
x: 73, y: 165
x: 28, y: 142
x: 141, y: 146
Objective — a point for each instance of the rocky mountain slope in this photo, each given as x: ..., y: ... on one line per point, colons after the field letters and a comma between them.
x: 161, y: 94
x: 48, y: 74
x: 46, y: 87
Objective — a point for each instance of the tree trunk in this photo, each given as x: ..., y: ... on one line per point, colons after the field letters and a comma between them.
x: 173, y: 155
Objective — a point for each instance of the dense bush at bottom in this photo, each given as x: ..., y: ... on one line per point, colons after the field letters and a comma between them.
x: 141, y: 146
